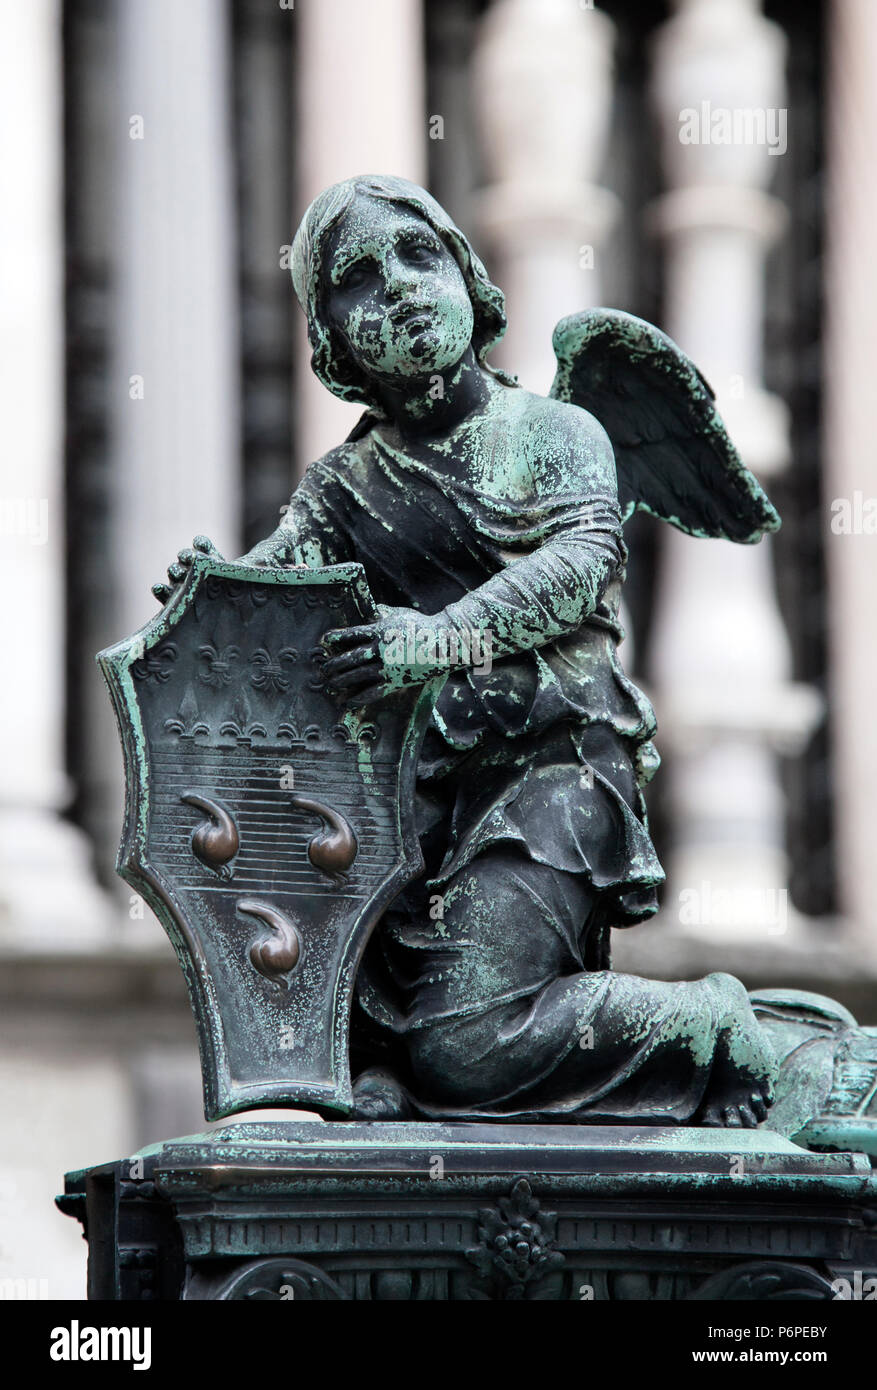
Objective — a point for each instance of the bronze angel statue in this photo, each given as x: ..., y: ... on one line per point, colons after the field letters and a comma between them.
x: 489, y: 521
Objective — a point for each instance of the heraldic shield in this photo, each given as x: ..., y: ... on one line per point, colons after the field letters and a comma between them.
x: 266, y: 825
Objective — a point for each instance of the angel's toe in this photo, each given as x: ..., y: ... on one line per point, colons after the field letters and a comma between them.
x: 711, y: 1117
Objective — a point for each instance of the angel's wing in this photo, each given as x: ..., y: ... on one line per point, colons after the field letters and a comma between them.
x: 672, y: 452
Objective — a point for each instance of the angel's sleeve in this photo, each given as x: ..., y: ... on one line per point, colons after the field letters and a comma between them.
x: 310, y: 532
x: 575, y: 520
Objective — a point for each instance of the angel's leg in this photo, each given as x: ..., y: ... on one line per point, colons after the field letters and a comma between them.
x: 504, y: 1021
x: 741, y: 1083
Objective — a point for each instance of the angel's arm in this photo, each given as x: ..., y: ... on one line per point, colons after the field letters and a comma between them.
x: 309, y: 533
x: 553, y: 589
x: 574, y: 518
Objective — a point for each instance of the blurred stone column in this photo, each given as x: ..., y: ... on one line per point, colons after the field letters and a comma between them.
x: 720, y: 657
x: 175, y: 373
x: 361, y: 110
x: 47, y: 895
x: 851, y: 456
x: 542, y: 80
x: 176, y: 368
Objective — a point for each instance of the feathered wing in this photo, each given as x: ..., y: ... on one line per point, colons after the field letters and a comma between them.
x: 672, y: 451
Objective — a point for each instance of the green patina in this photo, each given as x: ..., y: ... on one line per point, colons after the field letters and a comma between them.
x: 636, y: 1110
x: 477, y: 507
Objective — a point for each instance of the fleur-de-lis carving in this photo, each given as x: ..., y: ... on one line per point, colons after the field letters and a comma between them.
x: 267, y: 672
x: 352, y: 732
x: 241, y: 725
x: 156, y: 665
x: 187, y: 722
x: 217, y: 668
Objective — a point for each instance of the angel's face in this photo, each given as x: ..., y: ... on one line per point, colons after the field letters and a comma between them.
x: 396, y: 294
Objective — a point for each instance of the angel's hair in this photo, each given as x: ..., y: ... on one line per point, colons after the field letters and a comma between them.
x: 330, y: 360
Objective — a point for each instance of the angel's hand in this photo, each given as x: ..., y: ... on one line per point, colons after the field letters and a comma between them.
x: 402, y: 648
x: 177, y: 571
x: 274, y: 553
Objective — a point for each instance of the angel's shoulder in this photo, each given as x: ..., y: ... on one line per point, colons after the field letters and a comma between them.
x: 563, y: 442
x: 331, y: 468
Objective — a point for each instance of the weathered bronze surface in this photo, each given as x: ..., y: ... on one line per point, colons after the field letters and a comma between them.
x: 484, y: 524
x: 385, y: 792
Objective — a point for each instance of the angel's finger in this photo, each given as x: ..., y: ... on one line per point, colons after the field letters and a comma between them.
x: 162, y: 592
x: 176, y: 572
x: 337, y: 665
x: 366, y: 696
x: 342, y: 637
x: 362, y: 674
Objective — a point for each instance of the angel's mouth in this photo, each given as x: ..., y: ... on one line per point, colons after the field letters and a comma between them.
x: 411, y: 316
x: 417, y: 323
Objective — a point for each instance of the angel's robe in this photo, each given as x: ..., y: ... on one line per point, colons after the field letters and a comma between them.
x: 531, y: 814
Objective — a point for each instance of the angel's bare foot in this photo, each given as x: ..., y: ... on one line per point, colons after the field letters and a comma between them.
x: 377, y: 1095
x: 740, y: 1087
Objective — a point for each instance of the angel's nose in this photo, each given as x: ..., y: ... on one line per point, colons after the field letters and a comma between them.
x: 399, y: 278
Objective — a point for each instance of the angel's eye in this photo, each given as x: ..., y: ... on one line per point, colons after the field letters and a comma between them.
x: 420, y: 251
x: 355, y: 276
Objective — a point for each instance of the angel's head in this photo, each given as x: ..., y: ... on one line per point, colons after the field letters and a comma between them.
x: 392, y: 290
